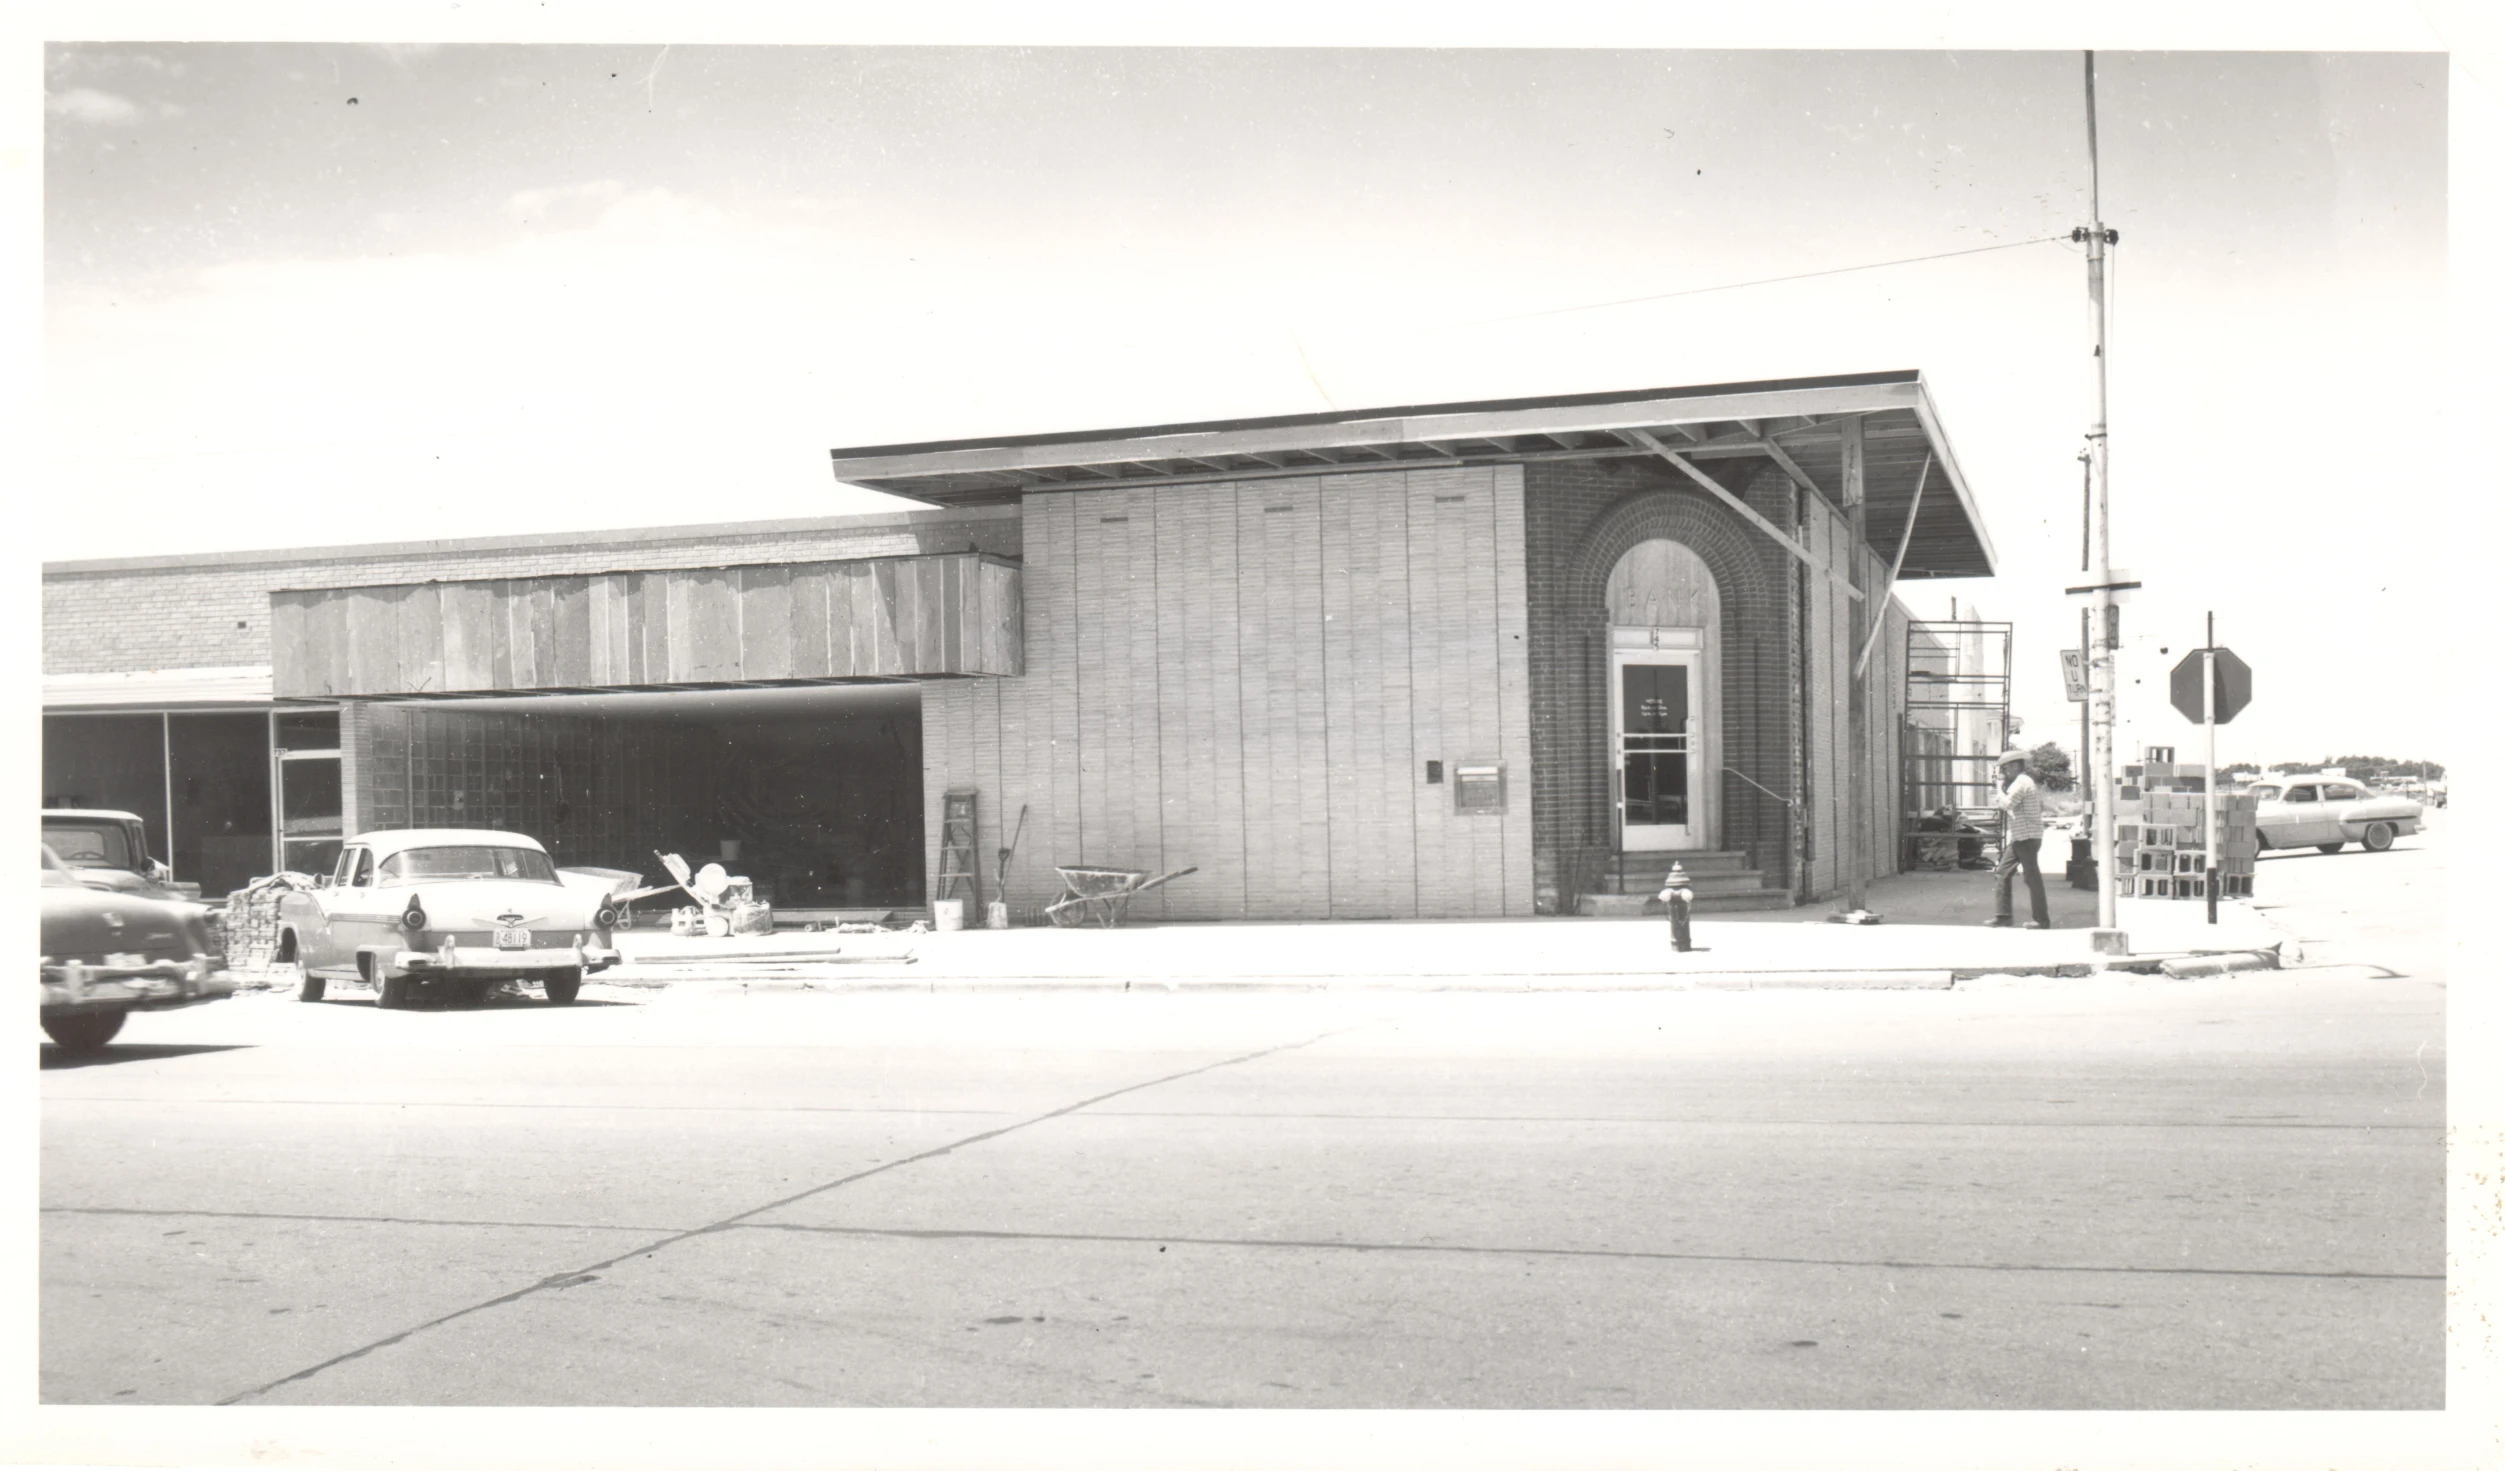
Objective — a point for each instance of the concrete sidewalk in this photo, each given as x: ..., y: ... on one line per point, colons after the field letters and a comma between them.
x: 1795, y: 947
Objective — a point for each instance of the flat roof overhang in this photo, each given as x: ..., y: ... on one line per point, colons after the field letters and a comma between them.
x: 150, y: 691
x: 762, y: 625
x: 1797, y: 424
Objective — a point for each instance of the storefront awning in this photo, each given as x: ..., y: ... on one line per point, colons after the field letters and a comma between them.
x: 669, y: 628
x: 244, y: 686
x: 1796, y: 424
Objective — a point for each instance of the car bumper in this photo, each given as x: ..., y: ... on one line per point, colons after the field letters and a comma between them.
x: 75, y: 989
x: 485, y: 962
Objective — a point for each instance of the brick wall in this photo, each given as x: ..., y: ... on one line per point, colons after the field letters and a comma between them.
x: 1250, y: 678
x: 214, y: 611
x: 1583, y: 515
x: 1785, y: 730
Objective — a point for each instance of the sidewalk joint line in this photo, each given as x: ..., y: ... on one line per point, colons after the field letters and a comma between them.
x: 569, y: 1278
x: 1601, y: 1253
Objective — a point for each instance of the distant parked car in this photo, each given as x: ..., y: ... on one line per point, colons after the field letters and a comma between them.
x: 456, y: 910
x: 108, y: 850
x: 2330, y: 813
x: 107, y: 954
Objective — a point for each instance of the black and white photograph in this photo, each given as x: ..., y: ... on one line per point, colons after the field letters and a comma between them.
x: 761, y: 712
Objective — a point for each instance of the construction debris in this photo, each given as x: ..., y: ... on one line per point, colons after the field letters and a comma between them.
x: 251, y: 919
x: 724, y: 905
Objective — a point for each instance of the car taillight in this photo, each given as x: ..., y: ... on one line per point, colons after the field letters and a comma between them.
x: 606, y: 919
x: 413, y: 918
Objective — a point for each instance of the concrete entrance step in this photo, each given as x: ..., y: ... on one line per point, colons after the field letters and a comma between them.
x: 1711, y: 860
x: 1727, y: 901
x: 1707, y: 873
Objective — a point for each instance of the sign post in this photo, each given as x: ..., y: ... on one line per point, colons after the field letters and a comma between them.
x: 2209, y: 758
x: 2225, y: 688
x: 2107, y: 589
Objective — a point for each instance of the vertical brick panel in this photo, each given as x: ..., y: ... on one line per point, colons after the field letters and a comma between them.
x: 1434, y: 733
x: 1148, y: 673
x: 1100, y: 565
x: 1215, y: 601
x: 1511, y: 610
x: 1265, y: 847
x: 1055, y: 650
x: 1354, y: 780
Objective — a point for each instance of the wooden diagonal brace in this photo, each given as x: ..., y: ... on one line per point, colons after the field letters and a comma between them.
x: 1748, y: 512
x: 1888, y: 588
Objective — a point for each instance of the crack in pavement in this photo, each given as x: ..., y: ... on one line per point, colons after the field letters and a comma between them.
x: 476, y: 1103
x: 160, y: 1211
x: 911, y: 1233
x: 569, y: 1277
x: 1671, y: 1120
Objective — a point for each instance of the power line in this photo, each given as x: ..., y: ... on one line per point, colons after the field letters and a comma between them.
x: 1910, y: 260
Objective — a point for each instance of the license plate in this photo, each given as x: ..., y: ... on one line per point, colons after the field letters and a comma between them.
x: 509, y: 938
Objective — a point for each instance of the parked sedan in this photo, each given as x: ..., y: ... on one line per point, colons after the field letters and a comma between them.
x: 2330, y: 813
x: 107, y: 954
x: 455, y: 910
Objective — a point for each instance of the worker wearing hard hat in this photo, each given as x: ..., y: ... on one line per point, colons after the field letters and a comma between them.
x: 2022, y: 833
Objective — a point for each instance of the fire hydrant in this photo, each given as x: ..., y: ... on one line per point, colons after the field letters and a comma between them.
x: 1676, y: 896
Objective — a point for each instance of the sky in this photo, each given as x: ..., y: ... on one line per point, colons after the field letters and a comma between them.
x: 302, y: 293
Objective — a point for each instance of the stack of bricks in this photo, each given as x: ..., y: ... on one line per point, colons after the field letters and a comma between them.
x: 2161, y: 844
x: 251, y: 930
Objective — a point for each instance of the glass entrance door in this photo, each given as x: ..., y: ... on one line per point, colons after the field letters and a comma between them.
x: 1653, y: 700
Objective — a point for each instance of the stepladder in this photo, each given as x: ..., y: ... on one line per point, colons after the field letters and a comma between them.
x: 958, y: 876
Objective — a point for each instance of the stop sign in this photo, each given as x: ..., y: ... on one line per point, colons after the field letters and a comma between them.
x: 2235, y: 685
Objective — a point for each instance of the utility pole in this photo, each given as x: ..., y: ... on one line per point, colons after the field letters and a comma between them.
x: 2105, y: 620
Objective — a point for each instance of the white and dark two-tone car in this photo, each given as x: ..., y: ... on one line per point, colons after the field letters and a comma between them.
x: 455, y: 911
x: 107, y: 954
x: 2329, y: 813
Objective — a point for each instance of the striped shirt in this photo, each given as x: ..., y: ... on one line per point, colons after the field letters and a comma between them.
x: 2022, y: 809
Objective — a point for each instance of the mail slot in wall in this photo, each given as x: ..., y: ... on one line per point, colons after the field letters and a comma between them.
x: 1479, y: 788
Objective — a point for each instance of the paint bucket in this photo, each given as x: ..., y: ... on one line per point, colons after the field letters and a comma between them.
x: 948, y: 914
x: 996, y: 915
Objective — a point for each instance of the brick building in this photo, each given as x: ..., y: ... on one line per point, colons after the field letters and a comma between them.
x: 1463, y: 659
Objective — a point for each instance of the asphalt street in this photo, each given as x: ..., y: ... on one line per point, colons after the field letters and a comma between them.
x: 2114, y: 1193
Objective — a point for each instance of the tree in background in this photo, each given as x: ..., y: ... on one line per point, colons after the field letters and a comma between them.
x: 2234, y: 769
x: 2049, y: 764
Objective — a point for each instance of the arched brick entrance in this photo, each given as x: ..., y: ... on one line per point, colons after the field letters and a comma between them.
x: 1583, y: 519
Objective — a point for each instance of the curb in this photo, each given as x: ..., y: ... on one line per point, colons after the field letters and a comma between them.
x: 834, y: 978
x: 2192, y: 966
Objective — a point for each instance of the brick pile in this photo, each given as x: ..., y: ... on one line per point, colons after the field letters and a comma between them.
x: 252, y: 919
x: 2161, y: 846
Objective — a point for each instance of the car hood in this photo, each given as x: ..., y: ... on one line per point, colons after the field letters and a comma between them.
x: 479, y: 904
x: 80, y: 923
x: 118, y: 880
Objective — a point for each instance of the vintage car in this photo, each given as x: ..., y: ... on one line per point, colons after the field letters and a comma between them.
x: 108, y: 850
x: 454, y: 910
x: 107, y: 954
x: 2329, y: 812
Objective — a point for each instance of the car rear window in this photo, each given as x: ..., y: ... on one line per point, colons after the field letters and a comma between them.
x: 2266, y: 794
x: 466, y: 861
x: 89, y: 847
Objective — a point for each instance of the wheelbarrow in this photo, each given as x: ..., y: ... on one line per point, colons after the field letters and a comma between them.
x: 1102, y: 895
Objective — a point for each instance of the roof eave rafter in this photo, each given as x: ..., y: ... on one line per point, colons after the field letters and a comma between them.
x: 1645, y: 439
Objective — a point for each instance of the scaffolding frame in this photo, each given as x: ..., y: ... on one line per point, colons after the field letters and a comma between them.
x: 1956, y: 721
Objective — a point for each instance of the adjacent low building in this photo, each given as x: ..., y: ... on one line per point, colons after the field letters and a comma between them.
x: 1477, y: 659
